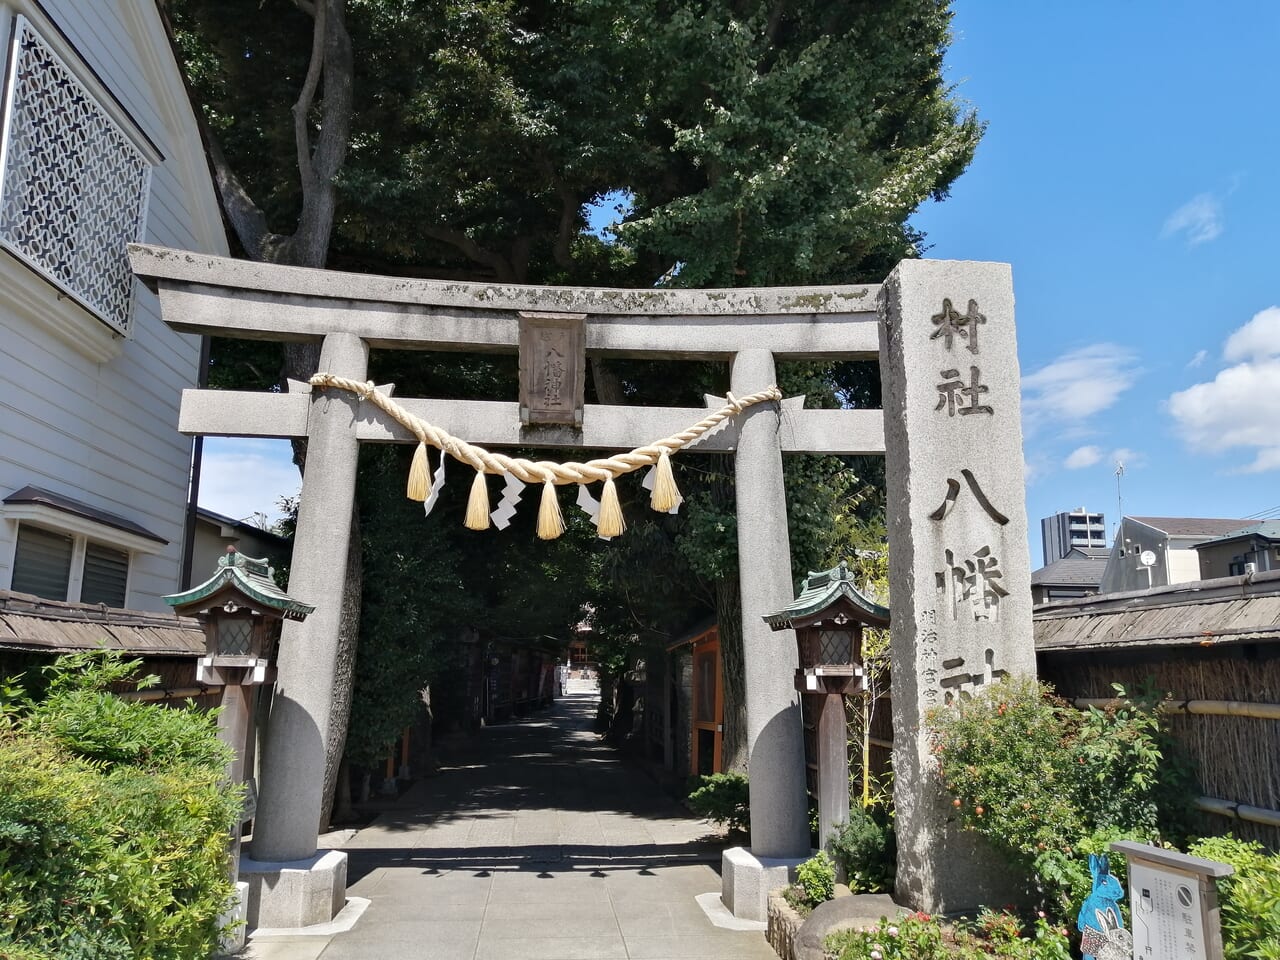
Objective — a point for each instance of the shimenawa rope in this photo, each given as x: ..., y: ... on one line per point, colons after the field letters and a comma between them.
x: 549, y: 473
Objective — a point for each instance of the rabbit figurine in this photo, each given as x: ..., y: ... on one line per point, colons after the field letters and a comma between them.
x: 1102, y: 934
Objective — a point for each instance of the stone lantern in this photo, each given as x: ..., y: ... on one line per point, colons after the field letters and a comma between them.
x: 240, y: 608
x: 828, y: 618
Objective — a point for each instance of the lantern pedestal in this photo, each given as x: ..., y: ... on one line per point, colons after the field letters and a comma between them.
x: 747, y: 881
x: 296, y: 893
x: 828, y: 618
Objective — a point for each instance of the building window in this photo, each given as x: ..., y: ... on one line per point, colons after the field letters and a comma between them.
x: 61, y: 566
x: 74, y: 185
x: 42, y: 562
x: 106, y: 575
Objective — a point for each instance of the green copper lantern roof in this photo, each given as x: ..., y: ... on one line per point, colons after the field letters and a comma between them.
x: 824, y: 590
x: 250, y: 577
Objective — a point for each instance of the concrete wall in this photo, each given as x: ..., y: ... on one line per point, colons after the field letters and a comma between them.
x: 81, y: 415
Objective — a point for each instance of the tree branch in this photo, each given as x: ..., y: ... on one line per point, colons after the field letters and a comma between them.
x: 331, y: 60
x: 306, y: 6
x: 569, y: 207
x: 306, y: 96
x: 456, y: 238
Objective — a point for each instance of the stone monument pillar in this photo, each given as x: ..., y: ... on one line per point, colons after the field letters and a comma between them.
x: 288, y: 884
x: 775, y: 744
x: 959, y: 570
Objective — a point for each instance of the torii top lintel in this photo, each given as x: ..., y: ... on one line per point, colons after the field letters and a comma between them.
x: 218, y: 296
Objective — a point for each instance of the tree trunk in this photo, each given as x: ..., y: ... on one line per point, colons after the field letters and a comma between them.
x: 344, y: 669
x: 342, y: 803
x: 604, y: 713
x: 321, y: 134
x: 729, y: 616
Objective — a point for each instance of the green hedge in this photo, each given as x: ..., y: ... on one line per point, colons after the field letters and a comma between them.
x: 113, y: 823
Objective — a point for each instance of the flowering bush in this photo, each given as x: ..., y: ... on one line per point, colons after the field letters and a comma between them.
x: 917, y: 937
x: 921, y: 937
x: 1047, y: 783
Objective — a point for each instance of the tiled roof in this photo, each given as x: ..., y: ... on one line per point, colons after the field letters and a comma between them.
x: 1203, y: 613
x: 1071, y: 571
x: 252, y: 578
x: 1192, y: 526
x: 1266, y: 529
x: 32, y: 623
x: 819, y: 591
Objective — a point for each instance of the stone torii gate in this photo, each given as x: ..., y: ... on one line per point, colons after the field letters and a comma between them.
x: 950, y: 430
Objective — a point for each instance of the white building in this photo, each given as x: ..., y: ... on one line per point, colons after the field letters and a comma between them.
x: 100, y: 148
x: 1159, y: 551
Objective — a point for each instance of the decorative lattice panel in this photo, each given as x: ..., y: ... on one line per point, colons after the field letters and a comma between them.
x: 235, y: 637
x: 74, y: 185
x: 836, y: 646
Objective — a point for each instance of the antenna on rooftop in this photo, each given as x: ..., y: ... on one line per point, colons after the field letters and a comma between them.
x: 1119, y: 498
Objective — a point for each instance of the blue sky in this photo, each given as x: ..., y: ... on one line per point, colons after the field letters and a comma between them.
x: 1129, y: 175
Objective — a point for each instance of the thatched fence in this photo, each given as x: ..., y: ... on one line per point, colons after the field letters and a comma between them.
x: 1213, y: 649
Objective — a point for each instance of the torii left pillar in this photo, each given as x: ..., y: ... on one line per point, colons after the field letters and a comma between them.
x: 290, y: 884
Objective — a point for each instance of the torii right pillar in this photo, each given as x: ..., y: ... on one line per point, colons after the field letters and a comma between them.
x: 959, y: 570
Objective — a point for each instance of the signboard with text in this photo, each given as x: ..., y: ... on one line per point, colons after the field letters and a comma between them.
x: 1173, y: 903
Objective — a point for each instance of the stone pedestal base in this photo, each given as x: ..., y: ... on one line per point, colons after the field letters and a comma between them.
x: 297, y: 893
x: 747, y: 881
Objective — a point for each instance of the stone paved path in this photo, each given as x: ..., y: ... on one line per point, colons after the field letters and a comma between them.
x: 539, y: 845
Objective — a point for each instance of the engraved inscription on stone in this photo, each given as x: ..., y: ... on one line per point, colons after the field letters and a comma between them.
x: 958, y: 397
x: 552, y: 368
x: 971, y: 586
x: 962, y: 682
x: 927, y: 654
x: 953, y: 325
x: 953, y: 491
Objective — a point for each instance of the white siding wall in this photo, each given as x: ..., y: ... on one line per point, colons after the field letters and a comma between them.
x: 1184, y: 565
x: 105, y: 433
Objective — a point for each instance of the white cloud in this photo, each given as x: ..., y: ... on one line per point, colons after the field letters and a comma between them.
x: 1240, y: 407
x: 1077, y: 385
x: 1082, y: 457
x: 1259, y: 339
x: 1200, y: 357
x: 241, y: 478
x: 1266, y: 460
x: 1198, y: 221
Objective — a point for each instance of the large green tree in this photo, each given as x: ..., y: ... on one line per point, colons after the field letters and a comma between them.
x: 748, y: 143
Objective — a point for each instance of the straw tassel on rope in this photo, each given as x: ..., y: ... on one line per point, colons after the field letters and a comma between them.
x: 611, y: 522
x: 550, y: 520
x: 419, y: 487
x: 666, y: 495
x: 478, y: 504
